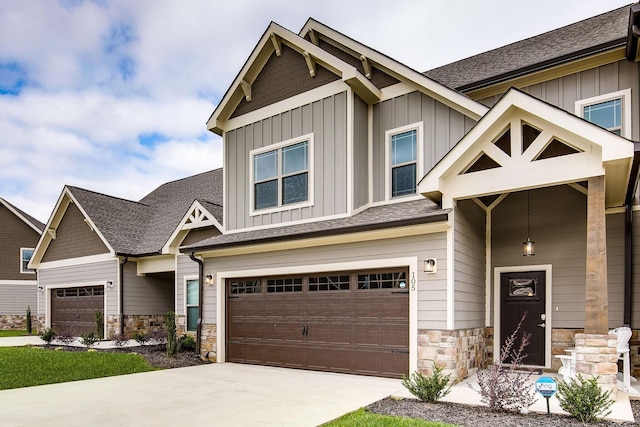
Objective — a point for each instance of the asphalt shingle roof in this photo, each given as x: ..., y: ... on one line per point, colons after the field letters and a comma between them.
x: 601, y: 31
x: 32, y: 220
x: 143, y: 227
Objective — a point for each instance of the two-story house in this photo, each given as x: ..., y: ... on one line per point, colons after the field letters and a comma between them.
x: 19, y: 233
x: 378, y: 220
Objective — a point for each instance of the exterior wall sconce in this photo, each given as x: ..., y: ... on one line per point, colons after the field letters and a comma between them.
x: 430, y: 265
x: 528, y: 247
x: 109, y: 284
x: 209, y: 279
x: 40, y: 288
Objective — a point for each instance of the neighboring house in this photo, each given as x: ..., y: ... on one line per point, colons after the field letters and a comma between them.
x: 19, y: 233
x: 119, y: 257
x: 374, y: 216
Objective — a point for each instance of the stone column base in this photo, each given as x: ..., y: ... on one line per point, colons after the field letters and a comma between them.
x: 597, y: 356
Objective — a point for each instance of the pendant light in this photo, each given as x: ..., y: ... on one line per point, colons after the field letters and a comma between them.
x: 528, y: 247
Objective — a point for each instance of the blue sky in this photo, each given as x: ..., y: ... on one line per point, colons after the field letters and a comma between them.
x: 113, y: 96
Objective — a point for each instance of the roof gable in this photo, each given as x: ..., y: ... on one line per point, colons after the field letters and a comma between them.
x: 523, y: 143
x: 36, y: 225
x: 197, y: 217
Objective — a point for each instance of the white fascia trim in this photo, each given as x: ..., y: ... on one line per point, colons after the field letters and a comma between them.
x: 91, y: 223
x: 450, y: 271
x: 547, y: 268
x: 419, y: 128
x: 19, y: 215
x: 288, y: 104
x: 167, y: 248
x: 624, y: 94
x: 411, y: 262
x: 19, y: 282
x: 49, y: 288
x: 54, y: 220
x: 70, y: 262
x: 397, y: 90
x: 310, y: 178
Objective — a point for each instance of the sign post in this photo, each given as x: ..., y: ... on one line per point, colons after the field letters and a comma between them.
x: 547, y: 387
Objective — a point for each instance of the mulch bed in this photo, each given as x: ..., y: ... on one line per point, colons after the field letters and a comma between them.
x: 478, y: 416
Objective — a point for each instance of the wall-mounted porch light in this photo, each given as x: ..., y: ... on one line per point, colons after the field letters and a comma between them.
x: 430, y: 265
x: 528, y: 247
x: 209, y: 279
x: 109, y: 284
x: 40, y: 288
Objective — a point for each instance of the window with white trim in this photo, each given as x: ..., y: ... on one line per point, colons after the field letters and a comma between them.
x: 191, y: 303
x: 25, y: 257
x: 403, y: 148
x: 611, y: 111
x: 281, y: 175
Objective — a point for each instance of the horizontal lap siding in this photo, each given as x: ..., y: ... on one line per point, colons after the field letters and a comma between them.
x: 146, y: 295
x: 431, y: 287
x: 469, y: 274
x: 80, y: 275
x: 558, y: 228
x: 15, y: 298
x: 326, y: 119
x: 443, y: 128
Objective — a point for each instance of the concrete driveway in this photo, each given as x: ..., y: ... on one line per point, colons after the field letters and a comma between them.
x: 221, y: 394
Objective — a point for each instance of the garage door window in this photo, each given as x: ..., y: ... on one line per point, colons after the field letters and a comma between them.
x: 388, y: 280
x: 192, y: 305
x: 329, y: 283
x: 250, y: 286
x: 284, y: 285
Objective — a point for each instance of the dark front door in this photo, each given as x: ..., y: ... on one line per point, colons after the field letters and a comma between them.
x: 520, y: 293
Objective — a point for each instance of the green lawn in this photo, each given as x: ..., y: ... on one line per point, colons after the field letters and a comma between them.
x: 29, y: 366
x: 362, y: 418
x: 13, y: 333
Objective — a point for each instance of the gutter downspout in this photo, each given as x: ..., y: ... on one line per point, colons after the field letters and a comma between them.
x: 200, y: 304
x: 121, y: 292
x: 628, y: 234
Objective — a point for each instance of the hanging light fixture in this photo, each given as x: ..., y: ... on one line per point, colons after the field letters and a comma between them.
x: 528, y: 247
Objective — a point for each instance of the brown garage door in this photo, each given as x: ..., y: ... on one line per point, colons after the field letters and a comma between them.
x: 356, y: 322
x: 73, y: 310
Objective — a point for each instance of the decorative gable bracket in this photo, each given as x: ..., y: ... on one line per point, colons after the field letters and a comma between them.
x: 311, y: 63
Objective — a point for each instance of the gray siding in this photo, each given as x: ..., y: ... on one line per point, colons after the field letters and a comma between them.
x: 15, y: 297
x: 615, y: 268
x: 469, y: 265
x: 80, y: 275
x: 432, y: 288
x: 565, y: 91
x: 443, y: 128
x: 186, y: 267
x: 146, y: 295
x: 326, y: 119
x: 635, y: 297
x: 360, y: 153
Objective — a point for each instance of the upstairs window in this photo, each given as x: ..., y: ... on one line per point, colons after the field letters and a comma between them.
x: 611, y: 111
x: 403, y: 159
x: 281, y: 174
x: 25, y: 257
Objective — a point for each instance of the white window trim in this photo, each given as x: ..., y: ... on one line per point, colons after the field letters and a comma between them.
x: 309, y: 202
x: 22, y: 270
x: 419, y: 128
x: 185, y: 305
x: 624, y: 95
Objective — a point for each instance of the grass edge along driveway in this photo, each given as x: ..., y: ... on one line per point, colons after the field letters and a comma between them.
x: 31, y: 366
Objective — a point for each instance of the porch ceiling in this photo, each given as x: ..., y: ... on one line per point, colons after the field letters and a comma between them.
x: 524, y: 143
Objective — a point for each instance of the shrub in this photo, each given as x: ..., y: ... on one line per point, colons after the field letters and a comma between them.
x: 28, y: 320
x: 501, y: 387
x: 584, y: 399
x: 119, y: 340
x: 158, y: 336
x: 48, y: 335
x: 141, y: 337
x: 428, y: 389
x: 100, y: 324
x: 65, y: 337
x: 172, y: 344
x: 187, y: 343
x: 89, y: 339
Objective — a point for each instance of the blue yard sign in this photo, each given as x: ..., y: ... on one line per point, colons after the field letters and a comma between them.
x: 547, y: 387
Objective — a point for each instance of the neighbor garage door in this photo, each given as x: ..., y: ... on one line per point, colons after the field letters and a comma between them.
x: 74, y: 310
x: 352, y: 322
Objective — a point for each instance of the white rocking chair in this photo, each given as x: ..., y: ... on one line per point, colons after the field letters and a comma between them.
x: 624, y: 378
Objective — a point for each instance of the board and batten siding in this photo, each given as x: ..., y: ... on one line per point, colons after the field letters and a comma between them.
x: 565, y: 91
x: 16, y: 297
x: 432, y: 288
x: 326, y: 120
x: 82, y: 275
x: 469, y: 265
x: 146, y: 295
x: 186, y: 267
x: 360, y: 152
x: 443, y: 128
